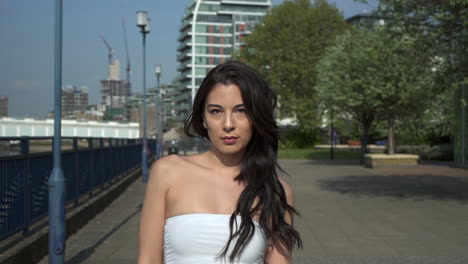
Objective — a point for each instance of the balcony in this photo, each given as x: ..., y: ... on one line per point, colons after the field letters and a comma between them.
x: 181, y: 57
x: 183, y: 66
x: 185, y: 24
x: 185, y: 35
x: 183, y: 46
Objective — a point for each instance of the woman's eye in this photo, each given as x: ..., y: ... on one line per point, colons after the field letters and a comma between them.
x: 214, y: 111
x: 241, y: 110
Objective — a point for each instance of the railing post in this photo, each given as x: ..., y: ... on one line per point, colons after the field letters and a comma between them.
x: 111, y: 160
x: 76, y: 172
x: 27, y: 188
x: 91, y: 167
x: 125, y: 154
x: 102, y: 161
x: 119, y: 157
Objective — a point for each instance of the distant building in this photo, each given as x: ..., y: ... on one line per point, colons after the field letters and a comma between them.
x: 114, y: 91
x: 12, y: 127
x: 134, y: 109
x: 170, y: 94
x: 136, y: 116
x: 219, y: 28
x: 91, y: 112
x: 74, y: 98
x: 3, y: 106
x: 367, y: 20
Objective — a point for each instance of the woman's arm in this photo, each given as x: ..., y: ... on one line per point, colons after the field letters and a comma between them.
x: 278, y: 253
x: 153, y: 215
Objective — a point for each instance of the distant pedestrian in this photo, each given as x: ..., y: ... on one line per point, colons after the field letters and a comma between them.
x: 336, y: 138
x: 227, y: 204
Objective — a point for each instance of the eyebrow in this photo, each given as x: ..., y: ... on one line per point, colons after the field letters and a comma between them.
x: 217, y: 105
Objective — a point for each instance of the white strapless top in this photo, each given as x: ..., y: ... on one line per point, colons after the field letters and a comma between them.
x: 200, y: 238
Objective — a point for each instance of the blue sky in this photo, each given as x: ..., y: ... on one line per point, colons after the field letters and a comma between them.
x: 27, y: 39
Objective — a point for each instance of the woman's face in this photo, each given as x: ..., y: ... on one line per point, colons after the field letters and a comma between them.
x: 226, y: 120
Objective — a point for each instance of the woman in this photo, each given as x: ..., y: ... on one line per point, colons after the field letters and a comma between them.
x: 227, y: 204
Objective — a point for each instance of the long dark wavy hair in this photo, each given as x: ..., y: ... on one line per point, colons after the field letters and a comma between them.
x: 259, y: 163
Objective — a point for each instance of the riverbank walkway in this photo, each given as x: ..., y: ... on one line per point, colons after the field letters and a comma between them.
x: 349, y: 214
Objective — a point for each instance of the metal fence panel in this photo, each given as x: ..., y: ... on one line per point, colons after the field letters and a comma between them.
x: 24, y: 177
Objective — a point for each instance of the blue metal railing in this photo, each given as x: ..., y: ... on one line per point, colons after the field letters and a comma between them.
x: 89, y: 164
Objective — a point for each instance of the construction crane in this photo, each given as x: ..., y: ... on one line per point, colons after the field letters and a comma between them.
x: 109, y: 47
x: 108, y: 91
x: 128, y: 68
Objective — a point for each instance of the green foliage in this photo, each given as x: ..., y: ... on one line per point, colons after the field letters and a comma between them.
x: 371, y: 74
x: 317, y: 154
x: 349, y: 128
x: 285, y: 49
x: 433, y: 126
x: 298, y: 138
x: 440, y: 26
x: 435, y: 22
x: 346, y: 128
x: 461, y: 126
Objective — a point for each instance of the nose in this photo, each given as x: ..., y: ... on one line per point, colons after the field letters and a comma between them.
x: 229, y: 123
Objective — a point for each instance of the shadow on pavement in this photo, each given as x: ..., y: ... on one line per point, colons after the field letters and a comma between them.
x: 84, y: 254
x: 437, y: 163
x: 334, y: 162
x: 418, y: 187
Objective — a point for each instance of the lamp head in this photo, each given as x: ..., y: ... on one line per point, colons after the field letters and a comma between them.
x: 157, y: 69
x: 142, y: 18
x: 146, y: 29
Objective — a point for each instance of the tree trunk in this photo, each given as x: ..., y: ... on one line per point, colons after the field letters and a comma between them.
x: 364, y: 139
x: 391, y: 136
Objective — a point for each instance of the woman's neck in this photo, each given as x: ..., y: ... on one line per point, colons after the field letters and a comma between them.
x: 230, y: 163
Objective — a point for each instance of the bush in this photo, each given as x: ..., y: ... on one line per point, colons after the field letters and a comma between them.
x: 442, y: 152
x: 296, y: 138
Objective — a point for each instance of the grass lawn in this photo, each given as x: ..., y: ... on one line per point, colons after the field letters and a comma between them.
x: 311, y: 153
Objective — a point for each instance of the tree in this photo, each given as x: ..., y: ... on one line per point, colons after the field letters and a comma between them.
x: 434, y: 126
x: 434, y: 22
x: 285, y: 49
x: 440, y: 24
x: 371, y: 74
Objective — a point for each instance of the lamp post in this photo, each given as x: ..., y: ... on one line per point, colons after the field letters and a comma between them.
x: 157, y: 72
x: 143, y: 22
x: 56, y: 182
x: 332, y: 136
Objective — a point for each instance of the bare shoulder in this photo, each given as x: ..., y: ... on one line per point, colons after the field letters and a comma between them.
x: 173, y: 167
x: 165, y: 163
x: 165, y: 170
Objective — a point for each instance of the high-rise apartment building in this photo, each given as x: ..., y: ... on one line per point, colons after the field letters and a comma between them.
x: 74, y: 98
x: 114, y: 91
x: 210, y: 33
x: 3, y: 106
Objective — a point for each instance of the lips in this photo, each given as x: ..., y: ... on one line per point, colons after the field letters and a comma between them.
x: 229, y: 140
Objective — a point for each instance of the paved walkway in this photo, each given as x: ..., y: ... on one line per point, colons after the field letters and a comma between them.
x: 350, y: 214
